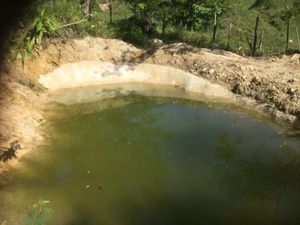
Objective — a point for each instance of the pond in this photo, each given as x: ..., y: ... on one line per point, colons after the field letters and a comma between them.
x: 149, y: 160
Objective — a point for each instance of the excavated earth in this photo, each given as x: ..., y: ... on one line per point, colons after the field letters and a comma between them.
x: 271, y: 84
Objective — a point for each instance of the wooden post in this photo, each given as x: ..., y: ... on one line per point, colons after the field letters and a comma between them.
x: 255, y: 37
x: 87, y: 8
x: 229, y: 36
x: 164, y: 24
x: 297, y: 32
x: 287, y: 35
x: 261, y: 40
x: 110, y: 12
x: 214, y: 33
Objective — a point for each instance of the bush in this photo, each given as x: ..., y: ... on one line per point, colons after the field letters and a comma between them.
x: 42, y: 26
x: 191, y: 37
x: 129, y: 31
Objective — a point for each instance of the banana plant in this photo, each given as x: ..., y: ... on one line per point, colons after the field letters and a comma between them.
x: 41, y: 27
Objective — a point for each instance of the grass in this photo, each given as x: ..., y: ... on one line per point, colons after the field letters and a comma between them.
x: 242, y: 20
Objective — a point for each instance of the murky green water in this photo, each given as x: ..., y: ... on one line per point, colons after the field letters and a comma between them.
x: 161, y: 163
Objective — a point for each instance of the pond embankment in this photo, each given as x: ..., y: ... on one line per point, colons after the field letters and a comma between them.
x: 271, y: 84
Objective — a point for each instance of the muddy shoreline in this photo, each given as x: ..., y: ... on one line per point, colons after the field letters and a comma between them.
x: 269, y: 84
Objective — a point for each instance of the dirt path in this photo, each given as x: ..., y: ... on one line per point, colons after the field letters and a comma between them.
x: 272, y: 82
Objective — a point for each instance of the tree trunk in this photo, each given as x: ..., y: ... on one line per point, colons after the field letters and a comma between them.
x: 110, y: 12
x: 255, y: 37
x: 189, y: 26
x: 214, y: 33
x: 164, y: 25
x: 297, y: 32
x: 147, y: 25
x: 87, y: 8
x: 229, y: 36
x: 261, y: 40
x: 287, y: 35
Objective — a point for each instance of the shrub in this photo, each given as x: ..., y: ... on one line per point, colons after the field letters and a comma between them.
x: 41, y: 27
x: 129, y: 31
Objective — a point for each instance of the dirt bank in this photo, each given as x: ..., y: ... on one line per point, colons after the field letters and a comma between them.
x: 273, y: 83
x: 274, y: 80
x: 21, y: 117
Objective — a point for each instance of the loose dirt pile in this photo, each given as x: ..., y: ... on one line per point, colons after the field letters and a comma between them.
x: 273, y: 82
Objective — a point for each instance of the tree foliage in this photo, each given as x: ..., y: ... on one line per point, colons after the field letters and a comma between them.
x: 192, y: 14
x: 228, y: 24
x: 41, y: 27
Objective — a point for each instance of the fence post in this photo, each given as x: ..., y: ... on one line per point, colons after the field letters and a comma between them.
x: 261, y: 40
x: 164, y: 24
x: 110, y: 12
x: 255, y: 37
x: 229, y: 36
x: 214, y: 33
x: 297, y: 32
x: 287, y: 35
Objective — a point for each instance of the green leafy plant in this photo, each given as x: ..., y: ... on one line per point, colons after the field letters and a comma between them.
x: 31, y: 83
x: 39, y: 214
x: 41, y: 27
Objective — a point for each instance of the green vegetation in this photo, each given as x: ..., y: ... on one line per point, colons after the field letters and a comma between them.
x: 257, y: 27
x: 41, y: 27
x: 39, y: 214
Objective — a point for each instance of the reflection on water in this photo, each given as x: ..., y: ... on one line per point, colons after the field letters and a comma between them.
x: 152, y: 162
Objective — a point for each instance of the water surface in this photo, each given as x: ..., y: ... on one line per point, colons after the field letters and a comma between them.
x: 160, y: 161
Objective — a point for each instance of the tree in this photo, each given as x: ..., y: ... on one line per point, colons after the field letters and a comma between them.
x: 258, y: 4
x: 217, y: 7
x: 286, y: 15
x: 86, y: 5
x: 144, y: 11
x: 285, y: 12
x: 192, y: 14
x: 107, y: 6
